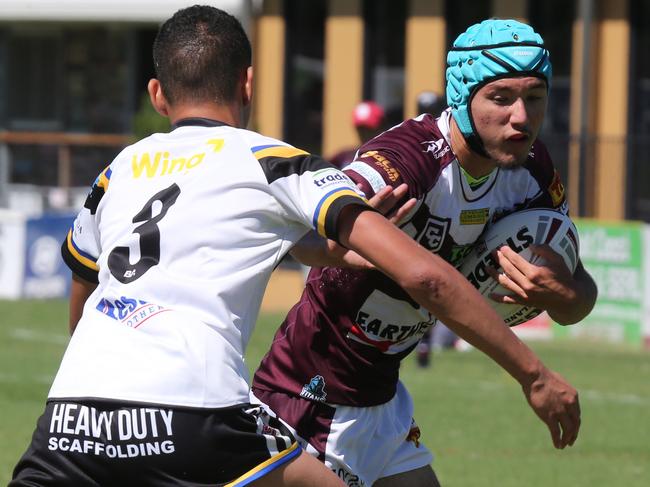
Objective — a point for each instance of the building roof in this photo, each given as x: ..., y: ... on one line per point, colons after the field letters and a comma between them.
x: 111, y: 10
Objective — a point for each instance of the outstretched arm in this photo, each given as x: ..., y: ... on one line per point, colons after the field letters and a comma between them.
x: 440, y: 288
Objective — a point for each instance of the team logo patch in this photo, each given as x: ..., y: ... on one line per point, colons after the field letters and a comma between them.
x: 438, y: 148
x: 474, y: 217
x: 414, y: 434
x: 315, y: 390
x: 434, y: 233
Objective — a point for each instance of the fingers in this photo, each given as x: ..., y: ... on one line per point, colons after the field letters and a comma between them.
x: 554, y: 429
x: 386, y: 198
x: 380, y: 197
x: 573, y: 422
x: 511, y: 261
x: 509, y: 284
x: 403, y: 211
x: 385, y: 202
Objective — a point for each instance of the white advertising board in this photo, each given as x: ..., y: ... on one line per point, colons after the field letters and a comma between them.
x: 12, y: 250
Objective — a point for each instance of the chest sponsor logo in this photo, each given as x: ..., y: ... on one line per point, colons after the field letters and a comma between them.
x: 130, y: 311
x: 474, y: 217
x: 315, y: 390
x: 121, y: 433
x: 383, y: 334
x: 438, y: 148
x: 434, y: 233
x: 556, y: 190
x: 380, y: 161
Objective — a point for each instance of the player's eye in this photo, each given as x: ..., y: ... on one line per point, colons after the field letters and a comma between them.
x: 501, y: 99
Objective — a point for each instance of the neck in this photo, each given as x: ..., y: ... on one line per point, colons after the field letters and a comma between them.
x: 229, y: 114
x: 474, y: 164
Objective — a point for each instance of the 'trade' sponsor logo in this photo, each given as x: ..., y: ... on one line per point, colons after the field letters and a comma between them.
x: 333, y: 177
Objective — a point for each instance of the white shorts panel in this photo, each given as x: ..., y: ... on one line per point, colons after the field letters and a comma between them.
x: 372, y: 443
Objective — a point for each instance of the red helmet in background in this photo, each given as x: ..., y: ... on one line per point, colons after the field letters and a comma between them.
x: 368, y: 114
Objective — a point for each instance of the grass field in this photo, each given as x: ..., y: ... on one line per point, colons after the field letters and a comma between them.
x: 472, y: 415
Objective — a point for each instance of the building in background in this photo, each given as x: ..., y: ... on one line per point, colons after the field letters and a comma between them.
x: 73, y: 73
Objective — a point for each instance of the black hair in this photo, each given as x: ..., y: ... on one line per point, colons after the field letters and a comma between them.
x: 199, y: 54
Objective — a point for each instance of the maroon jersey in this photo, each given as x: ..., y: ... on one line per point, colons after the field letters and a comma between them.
x: 342, y: 343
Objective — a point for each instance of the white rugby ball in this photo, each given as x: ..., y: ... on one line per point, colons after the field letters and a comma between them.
x: 519, y: 230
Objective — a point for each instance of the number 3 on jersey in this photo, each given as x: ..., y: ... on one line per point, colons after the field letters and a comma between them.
x: 118, y: 260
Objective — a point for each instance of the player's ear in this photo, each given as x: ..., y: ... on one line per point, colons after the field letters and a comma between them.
x: 247, y: 86
x: 158, y: 100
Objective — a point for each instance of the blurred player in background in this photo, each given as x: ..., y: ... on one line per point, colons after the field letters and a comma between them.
x: 170, y: 256
x: 438, y: 337
x: 368, y: 119
x: 475, y: 163
x: 430, y: 102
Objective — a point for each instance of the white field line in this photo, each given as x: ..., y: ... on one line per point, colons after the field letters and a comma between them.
x: 34, y: 336
x: 18, y: 378
x: 627, y: 398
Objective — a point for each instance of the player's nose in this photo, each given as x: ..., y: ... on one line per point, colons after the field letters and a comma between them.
x: 519, y: 117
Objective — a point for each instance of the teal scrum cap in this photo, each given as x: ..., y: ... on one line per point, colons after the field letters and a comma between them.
x: 487, y: 51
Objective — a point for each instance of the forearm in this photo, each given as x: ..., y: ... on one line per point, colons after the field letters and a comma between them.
x: 313, y: 250
x: 457, y: 303
x: 580, y: 302
x: 80, y: 290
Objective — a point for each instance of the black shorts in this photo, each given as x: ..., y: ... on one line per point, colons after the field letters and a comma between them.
x: 93, y: 443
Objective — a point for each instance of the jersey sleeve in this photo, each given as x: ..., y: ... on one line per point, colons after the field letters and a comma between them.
x: 81, y: 247
x: 552, y: 193
x: 401, y: 155
x: 311, y: 190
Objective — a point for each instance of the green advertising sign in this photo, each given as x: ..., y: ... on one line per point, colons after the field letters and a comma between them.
x: 613, y: 253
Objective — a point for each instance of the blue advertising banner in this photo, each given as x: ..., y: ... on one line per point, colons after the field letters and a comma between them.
x: 46, y: 275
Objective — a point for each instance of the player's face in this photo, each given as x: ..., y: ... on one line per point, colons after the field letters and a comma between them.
x: 508, y: 114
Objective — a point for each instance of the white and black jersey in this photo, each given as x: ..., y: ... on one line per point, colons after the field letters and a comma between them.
x: 182, y: 232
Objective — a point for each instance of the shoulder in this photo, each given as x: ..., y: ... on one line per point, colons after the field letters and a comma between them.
x: 541, y: 168
x: 414, y: 152
x: 539, y: 162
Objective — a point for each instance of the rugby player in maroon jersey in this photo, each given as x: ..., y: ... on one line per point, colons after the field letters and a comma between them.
x: 332, y: 373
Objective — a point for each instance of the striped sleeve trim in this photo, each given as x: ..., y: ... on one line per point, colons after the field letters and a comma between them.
x: 79, y: 262
x: 104, y: 178
x: 98, y: 189
x: 264, y: 468
x: 277, y: 167
x: 327, y: 212
x: 262, y: 151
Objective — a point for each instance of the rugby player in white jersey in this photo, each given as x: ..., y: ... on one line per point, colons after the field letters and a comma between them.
x: 171, y: 254
x: 477, y: 162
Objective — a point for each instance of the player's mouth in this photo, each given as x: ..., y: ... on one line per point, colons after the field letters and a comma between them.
x: 520, y: 137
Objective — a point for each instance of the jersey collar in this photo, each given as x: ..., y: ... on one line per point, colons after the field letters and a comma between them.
x: 198, y: 122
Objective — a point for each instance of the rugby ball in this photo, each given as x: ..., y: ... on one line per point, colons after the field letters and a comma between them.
x: 519, y: 230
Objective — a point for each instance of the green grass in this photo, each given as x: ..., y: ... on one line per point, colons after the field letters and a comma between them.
x: 472, y: 415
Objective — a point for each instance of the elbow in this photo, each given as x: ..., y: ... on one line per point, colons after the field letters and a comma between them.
x: 426, y: 286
